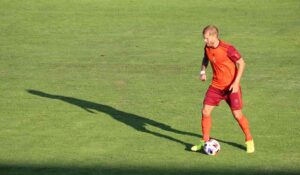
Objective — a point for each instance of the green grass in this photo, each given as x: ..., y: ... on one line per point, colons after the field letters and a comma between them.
x: 111, y: 86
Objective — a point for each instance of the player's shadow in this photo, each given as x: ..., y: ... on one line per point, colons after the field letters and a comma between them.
x: 137, y: 122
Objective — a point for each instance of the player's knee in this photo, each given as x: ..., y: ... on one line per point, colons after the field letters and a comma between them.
x: 206, y: 112
x: 237, y: 117
x: 237, y: 114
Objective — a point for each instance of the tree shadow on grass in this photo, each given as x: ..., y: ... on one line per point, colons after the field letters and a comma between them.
x: 137, y: 122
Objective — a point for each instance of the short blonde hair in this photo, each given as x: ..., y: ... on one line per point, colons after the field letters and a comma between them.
x: 212, y: 29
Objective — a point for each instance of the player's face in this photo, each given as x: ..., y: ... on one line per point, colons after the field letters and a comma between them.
x: 210, y: 39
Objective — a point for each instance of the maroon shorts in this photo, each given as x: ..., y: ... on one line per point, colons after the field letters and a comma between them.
x: 214, y: 96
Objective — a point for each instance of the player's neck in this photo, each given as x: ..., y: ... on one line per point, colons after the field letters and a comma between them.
x: 216, y: 44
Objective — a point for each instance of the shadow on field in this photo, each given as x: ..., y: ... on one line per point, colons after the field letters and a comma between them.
x: 135, y: 121
x: 22, y: 169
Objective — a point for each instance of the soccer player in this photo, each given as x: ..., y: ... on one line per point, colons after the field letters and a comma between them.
x: 228, y: 67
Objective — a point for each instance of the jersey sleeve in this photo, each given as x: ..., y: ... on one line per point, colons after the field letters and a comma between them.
x: 233, y: 54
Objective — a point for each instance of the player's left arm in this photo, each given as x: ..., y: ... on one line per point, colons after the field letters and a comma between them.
x: 235, y: 56
x: 240, y: 64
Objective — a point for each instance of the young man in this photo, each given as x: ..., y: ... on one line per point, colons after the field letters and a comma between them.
x: 228, y: 67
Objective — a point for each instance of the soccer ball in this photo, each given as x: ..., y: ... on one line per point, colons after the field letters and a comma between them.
x: 212, y: 147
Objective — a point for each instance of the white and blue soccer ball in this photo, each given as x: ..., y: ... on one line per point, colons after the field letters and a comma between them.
x: 212, y: 147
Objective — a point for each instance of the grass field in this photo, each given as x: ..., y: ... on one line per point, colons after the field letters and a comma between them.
x: 111, y: 86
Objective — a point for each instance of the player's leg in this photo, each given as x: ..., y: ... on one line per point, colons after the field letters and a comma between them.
x: 236, y: 104
x: 212, y: 98
x: 244, y: 124
x: 206, y: 126
x: 206, y: 121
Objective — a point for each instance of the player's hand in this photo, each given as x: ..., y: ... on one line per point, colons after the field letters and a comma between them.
x: 234, y: 87
x: 203, y: 77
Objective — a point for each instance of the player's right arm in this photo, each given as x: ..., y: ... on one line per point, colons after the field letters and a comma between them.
x: 203, y: 67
